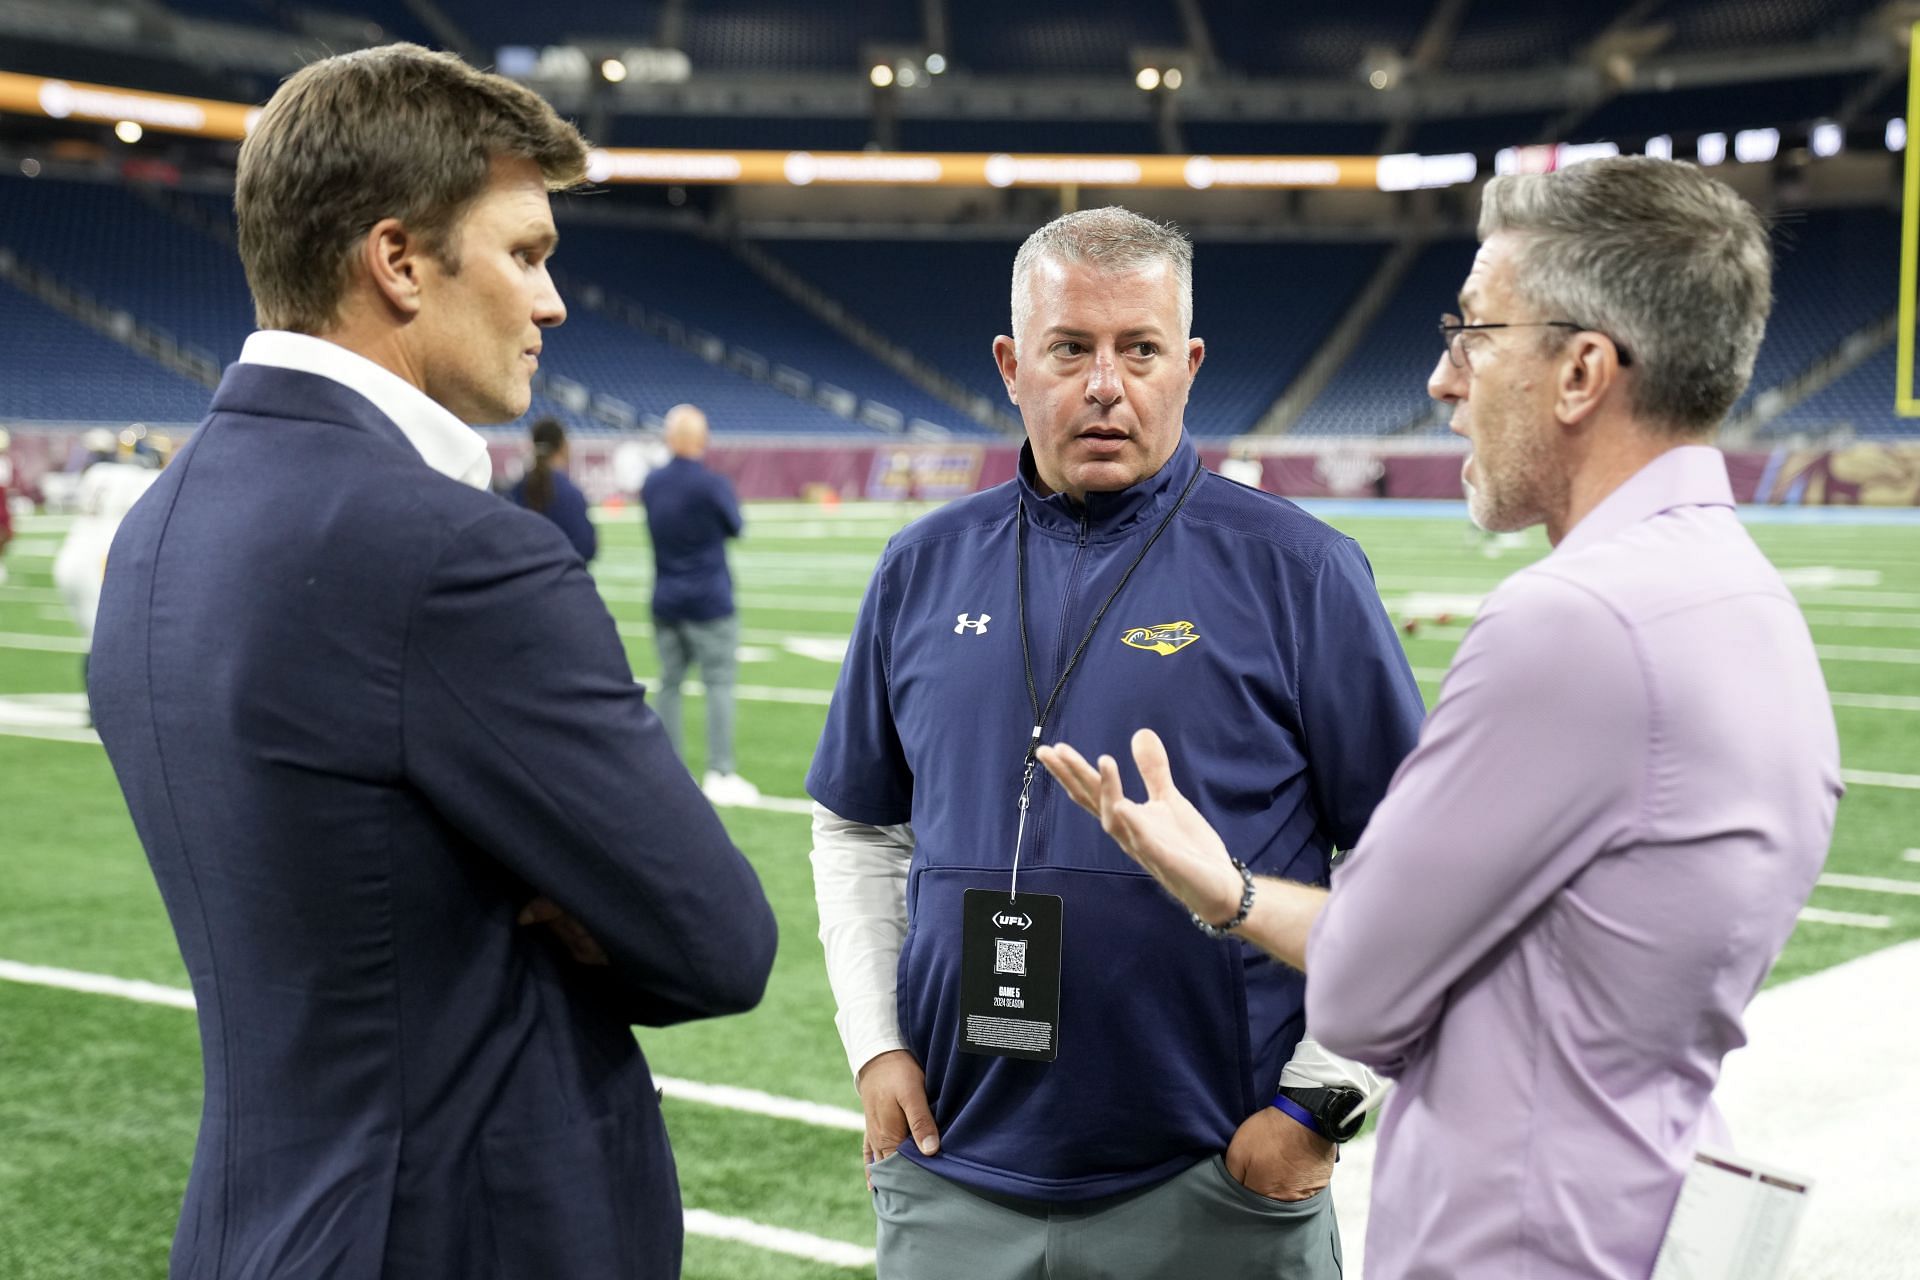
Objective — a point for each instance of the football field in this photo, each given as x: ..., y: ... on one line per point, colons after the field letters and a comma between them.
x: 100, y: 1080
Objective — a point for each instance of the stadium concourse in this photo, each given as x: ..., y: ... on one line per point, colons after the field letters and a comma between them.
x: 804, y: 221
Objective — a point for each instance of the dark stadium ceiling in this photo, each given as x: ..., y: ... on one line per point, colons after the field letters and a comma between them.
x: 1219, y: 78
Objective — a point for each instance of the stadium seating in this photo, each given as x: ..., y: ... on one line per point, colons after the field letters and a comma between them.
x: 1860, y: 402
x: 1316, y: 39
x: 705, y: 287
x: 1263, y: 309
x: 1834, y: 274
x: 1482, y: 135
x: 1713, y: 25
x: 109, y: 242
x: 72, y: 374
x: 652, y: 376
x: 1381, y: 389
x: 1011, y: 36
x: 757, y: 35
x: 1501, y: 35
x: 1720, y: 107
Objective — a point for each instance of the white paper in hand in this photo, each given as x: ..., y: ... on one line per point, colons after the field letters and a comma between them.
x: 1735, y: 1220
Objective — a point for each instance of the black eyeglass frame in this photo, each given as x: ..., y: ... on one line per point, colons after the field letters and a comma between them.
x: 1451, y: 329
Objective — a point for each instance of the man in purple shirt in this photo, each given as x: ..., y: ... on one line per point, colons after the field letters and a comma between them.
x: 1552, y: 925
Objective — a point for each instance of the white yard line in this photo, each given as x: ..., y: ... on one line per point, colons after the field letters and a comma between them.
x: 1846, y: 919
x: 1880, y: 599
x: 1868, y: 778
x: 1910, y: 855
x: 1870, y: 884
x: 798, y: 1244
x: 47, y: 644
x: 1855, y: 653
x: 30, y: 595
x: 1876, y: 701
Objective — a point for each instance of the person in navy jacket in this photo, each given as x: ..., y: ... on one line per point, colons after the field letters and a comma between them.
x: 548, y: 489
x: 1166, y: 1118
x: 427, y: 853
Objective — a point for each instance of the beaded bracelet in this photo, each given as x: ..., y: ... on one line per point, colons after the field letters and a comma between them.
x: 1246, y: 906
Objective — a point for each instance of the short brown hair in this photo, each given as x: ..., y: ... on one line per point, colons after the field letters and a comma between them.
x: 393, y: 132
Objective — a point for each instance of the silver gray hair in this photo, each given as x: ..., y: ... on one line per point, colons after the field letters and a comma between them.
x: 1112, y: 239
x: 1671, y: 264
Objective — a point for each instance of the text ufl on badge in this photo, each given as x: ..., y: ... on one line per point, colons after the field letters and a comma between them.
x: 1010, y: 975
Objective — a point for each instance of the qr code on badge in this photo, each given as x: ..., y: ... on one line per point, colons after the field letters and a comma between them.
x: 1009, y: 957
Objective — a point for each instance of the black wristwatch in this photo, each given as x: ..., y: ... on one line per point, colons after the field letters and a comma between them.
x: 1333, y: 1113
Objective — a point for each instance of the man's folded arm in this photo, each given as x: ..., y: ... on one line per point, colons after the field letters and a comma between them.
x: 522, y: 724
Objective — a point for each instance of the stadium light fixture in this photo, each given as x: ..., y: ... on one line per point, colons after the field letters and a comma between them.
x: 1711, y: 148
x: 129, y: 131
x: 1660, y: 146
x: 1896, y: 134
x: 1173, y: 78
x: 613, y: 71
x: 936, y: 63
x: 881, y: 75
x: 1756, y: 146
x: 1148, y: 79
x: 1828, y: 139
x: 30, y: 167
x: 1379, y: 78
x: 905, y: 75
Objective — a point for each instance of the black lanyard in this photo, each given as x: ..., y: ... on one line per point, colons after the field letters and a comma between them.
x: 1041, y: 713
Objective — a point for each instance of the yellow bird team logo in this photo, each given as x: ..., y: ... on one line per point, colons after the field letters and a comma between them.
x: 1166, y: 638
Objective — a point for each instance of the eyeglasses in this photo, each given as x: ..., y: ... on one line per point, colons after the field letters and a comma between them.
x: 1453, y: 329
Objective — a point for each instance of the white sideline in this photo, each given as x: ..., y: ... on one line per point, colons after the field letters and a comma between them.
x: 1870, y: 884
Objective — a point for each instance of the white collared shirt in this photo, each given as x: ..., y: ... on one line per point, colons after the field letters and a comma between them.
x: 448, y: 445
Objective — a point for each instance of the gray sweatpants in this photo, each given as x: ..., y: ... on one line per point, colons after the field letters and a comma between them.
x: 1198, y: 1225
x: 709, y: 646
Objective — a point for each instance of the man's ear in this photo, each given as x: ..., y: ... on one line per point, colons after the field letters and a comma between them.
x: 1006, y: 355
x: 1589, y: 369
x: 392, y: 257
x: 1196, y: 355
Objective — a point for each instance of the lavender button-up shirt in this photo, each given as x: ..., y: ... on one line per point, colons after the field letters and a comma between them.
x: 1576, y: 882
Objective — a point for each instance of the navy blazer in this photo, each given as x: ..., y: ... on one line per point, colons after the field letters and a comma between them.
x: 362, y: 713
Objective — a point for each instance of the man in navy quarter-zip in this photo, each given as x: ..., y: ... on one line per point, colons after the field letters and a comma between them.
x: 1055, y: 1084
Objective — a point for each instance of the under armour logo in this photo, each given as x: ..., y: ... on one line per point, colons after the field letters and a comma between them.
x: 976, y: 625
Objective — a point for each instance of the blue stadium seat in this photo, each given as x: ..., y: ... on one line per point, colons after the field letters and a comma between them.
x: 702, y: 285
x: 1835, y: 273
x: 61, y: 371
x: 116, y: 246
x: 1382, y: 387
x: 1860, y: 402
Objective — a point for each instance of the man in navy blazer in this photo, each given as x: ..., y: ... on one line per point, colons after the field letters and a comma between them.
x: 427, y: 852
